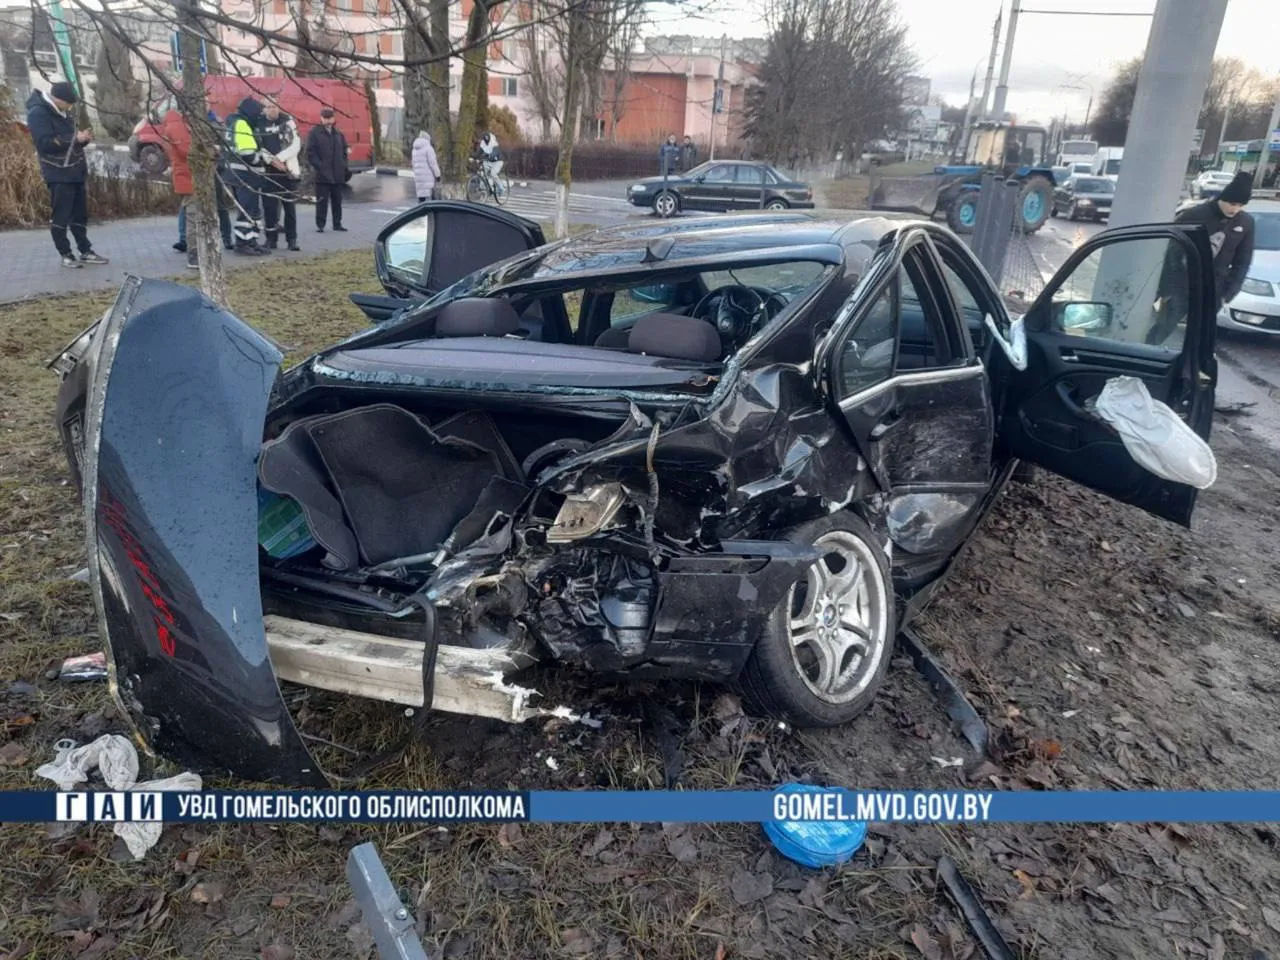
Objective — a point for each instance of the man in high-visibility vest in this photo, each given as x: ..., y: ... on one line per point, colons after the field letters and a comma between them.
x: 246, y: 173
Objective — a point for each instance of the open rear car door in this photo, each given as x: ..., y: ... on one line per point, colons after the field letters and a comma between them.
x: 1132, y: 302
x: 436, y: 244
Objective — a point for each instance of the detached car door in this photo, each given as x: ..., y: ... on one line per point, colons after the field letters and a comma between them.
x: 1135, y: 302
x: 436, y: 244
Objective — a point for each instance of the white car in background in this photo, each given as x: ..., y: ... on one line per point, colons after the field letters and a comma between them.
x: 1257, y: 306
x: 1210, y: 183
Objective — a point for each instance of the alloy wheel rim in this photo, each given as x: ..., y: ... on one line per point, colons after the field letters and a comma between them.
x: 666, y: 205
x: 838, y: 619
x: 1032, y: 207
x: 968, y: 213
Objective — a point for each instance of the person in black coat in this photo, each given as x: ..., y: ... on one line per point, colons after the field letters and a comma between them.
x: 327, y: 154
x: 60, y: 149
x: 1230, y: 234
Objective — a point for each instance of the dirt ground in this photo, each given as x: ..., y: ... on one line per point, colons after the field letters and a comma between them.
x: 1107, y: 649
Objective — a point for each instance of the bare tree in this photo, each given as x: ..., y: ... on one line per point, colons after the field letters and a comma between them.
x: 117, y: 91
x: 856, y: 47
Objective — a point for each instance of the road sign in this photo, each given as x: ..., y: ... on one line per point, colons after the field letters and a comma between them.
x: 175, y: 48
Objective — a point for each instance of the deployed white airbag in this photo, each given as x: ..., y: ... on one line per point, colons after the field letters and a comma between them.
x: 1154, y: 435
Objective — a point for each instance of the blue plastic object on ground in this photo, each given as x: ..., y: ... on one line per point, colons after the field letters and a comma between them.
x: 815, y: 843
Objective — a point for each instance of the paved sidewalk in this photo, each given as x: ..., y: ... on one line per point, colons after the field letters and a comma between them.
x: 29, y: 265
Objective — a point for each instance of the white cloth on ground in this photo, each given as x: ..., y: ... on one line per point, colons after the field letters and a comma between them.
x: 117, y: 758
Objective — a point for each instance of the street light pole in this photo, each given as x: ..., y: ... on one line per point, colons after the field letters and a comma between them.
x: 1171, y: 85
x: 991, y: 66
x: 1265, y: 156
x: 1002, y: 88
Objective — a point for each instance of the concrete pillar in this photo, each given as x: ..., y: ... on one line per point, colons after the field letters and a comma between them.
x: 1175, y: 72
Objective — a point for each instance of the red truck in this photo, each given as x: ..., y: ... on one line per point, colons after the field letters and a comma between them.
x: 301, y: 99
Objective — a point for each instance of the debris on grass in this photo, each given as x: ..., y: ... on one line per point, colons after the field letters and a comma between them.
x: 90, y: 667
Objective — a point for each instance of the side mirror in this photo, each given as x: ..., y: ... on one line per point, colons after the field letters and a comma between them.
x: 699, y: 178
x: 1082, y: 317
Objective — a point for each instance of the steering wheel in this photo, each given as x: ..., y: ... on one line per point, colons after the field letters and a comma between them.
x: 739, y: 310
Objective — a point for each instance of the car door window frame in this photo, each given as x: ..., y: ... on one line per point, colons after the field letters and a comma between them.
x: 829, y: 355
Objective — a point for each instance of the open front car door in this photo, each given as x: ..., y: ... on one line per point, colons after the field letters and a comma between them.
x: 1134, y: 302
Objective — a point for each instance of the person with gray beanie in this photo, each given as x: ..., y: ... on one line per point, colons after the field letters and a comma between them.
x: 1230, y: 234
x: 60, y: 150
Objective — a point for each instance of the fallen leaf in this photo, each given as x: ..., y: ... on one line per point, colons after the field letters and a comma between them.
x: 1272, y: 918
x: 683, y: 847
x: 927, y: 946
x: 79, y: 941
x: 749, y: 887
x: 13, y: 754
x: 721, y: 952
x: 1047, y: 749
x: 726, y: 707
x: 279, y: 901
x: 277, y: 951
x: 596, y: 846
x: 186, y: 864
x: 509, y: 835
x: 1028, y: 885
x: 21, y: 950
x: 1218, y: 950
x: 208, y: 892
x: 100, y: 947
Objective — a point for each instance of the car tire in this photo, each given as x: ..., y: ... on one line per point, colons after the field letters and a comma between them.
x: 777, y: 204
x: 1071, y: 211
x: 152, y: 160
x: 791, y: 680
x: 666, y: 204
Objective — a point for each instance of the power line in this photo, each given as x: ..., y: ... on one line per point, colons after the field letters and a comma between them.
x: 1087, y: 13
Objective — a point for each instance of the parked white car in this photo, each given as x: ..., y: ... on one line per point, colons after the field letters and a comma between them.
x: 1210, y: 183
x: 1257, y: 306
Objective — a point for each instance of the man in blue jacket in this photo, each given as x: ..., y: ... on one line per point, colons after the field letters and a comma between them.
x: 60, y: 149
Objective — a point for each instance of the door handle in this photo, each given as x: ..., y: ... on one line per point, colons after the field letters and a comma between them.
x: 1066, y: 394
x: 1068, y: 355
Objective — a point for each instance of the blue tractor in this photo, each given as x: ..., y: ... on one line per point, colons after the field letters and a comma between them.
x: 1009, y: 150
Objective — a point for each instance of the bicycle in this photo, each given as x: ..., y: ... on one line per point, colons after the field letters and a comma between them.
x: 481, y: 186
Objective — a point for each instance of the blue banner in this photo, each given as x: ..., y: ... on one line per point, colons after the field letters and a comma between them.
x: 607, y: 806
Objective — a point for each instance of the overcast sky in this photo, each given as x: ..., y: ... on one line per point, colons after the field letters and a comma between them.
x: 1049, y: 51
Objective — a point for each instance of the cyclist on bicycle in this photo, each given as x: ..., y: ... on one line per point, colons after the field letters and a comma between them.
x: 491, y: 155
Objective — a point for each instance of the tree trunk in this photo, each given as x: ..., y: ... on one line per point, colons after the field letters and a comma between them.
x: 472, y: 78
x: 376, y: 118
x: 202, y: 211
x: 417, y: 90
x: 438, y: 75
x: 572, y: 117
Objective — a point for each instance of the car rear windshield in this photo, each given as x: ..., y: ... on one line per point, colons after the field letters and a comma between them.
x: 1266, y: 231
x: 1095, y: 186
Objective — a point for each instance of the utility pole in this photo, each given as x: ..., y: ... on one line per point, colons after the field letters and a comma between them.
x: 1002, y: 88
x: 1226, y: 119
x: 1088, y: 110
x: 1265, y: 157
x: 991, y: 69
x: 717, y: 98
x: 968, y: 117
x: 1171, y: 85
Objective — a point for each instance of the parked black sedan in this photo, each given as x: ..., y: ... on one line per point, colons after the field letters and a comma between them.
x: 721, y: 185
x: 729, y: 449
x: 1084, y: 198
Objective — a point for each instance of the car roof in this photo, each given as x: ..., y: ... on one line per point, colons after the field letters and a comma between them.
x: 703, y: 241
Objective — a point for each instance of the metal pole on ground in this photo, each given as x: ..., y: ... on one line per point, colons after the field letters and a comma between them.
x: 1171, y: 85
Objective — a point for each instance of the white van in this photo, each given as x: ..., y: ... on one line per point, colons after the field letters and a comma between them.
x: 1106, y: 162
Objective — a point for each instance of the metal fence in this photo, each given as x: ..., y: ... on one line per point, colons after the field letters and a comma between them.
x: 999, y: 242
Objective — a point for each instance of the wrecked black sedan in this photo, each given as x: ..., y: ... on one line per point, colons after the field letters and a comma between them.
x: 740, y: 450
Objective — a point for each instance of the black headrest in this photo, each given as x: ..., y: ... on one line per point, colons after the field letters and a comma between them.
x: 674, y: 336
x: 477, y: 318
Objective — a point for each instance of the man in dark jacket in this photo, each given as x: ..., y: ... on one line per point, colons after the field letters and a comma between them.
x: 688, y: 154
x: 246, y: 174
x: 327, y: 154
x: 279, y: 139
x: 1230, y: 234
x: 669, y: 157
x: 60, y: 149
